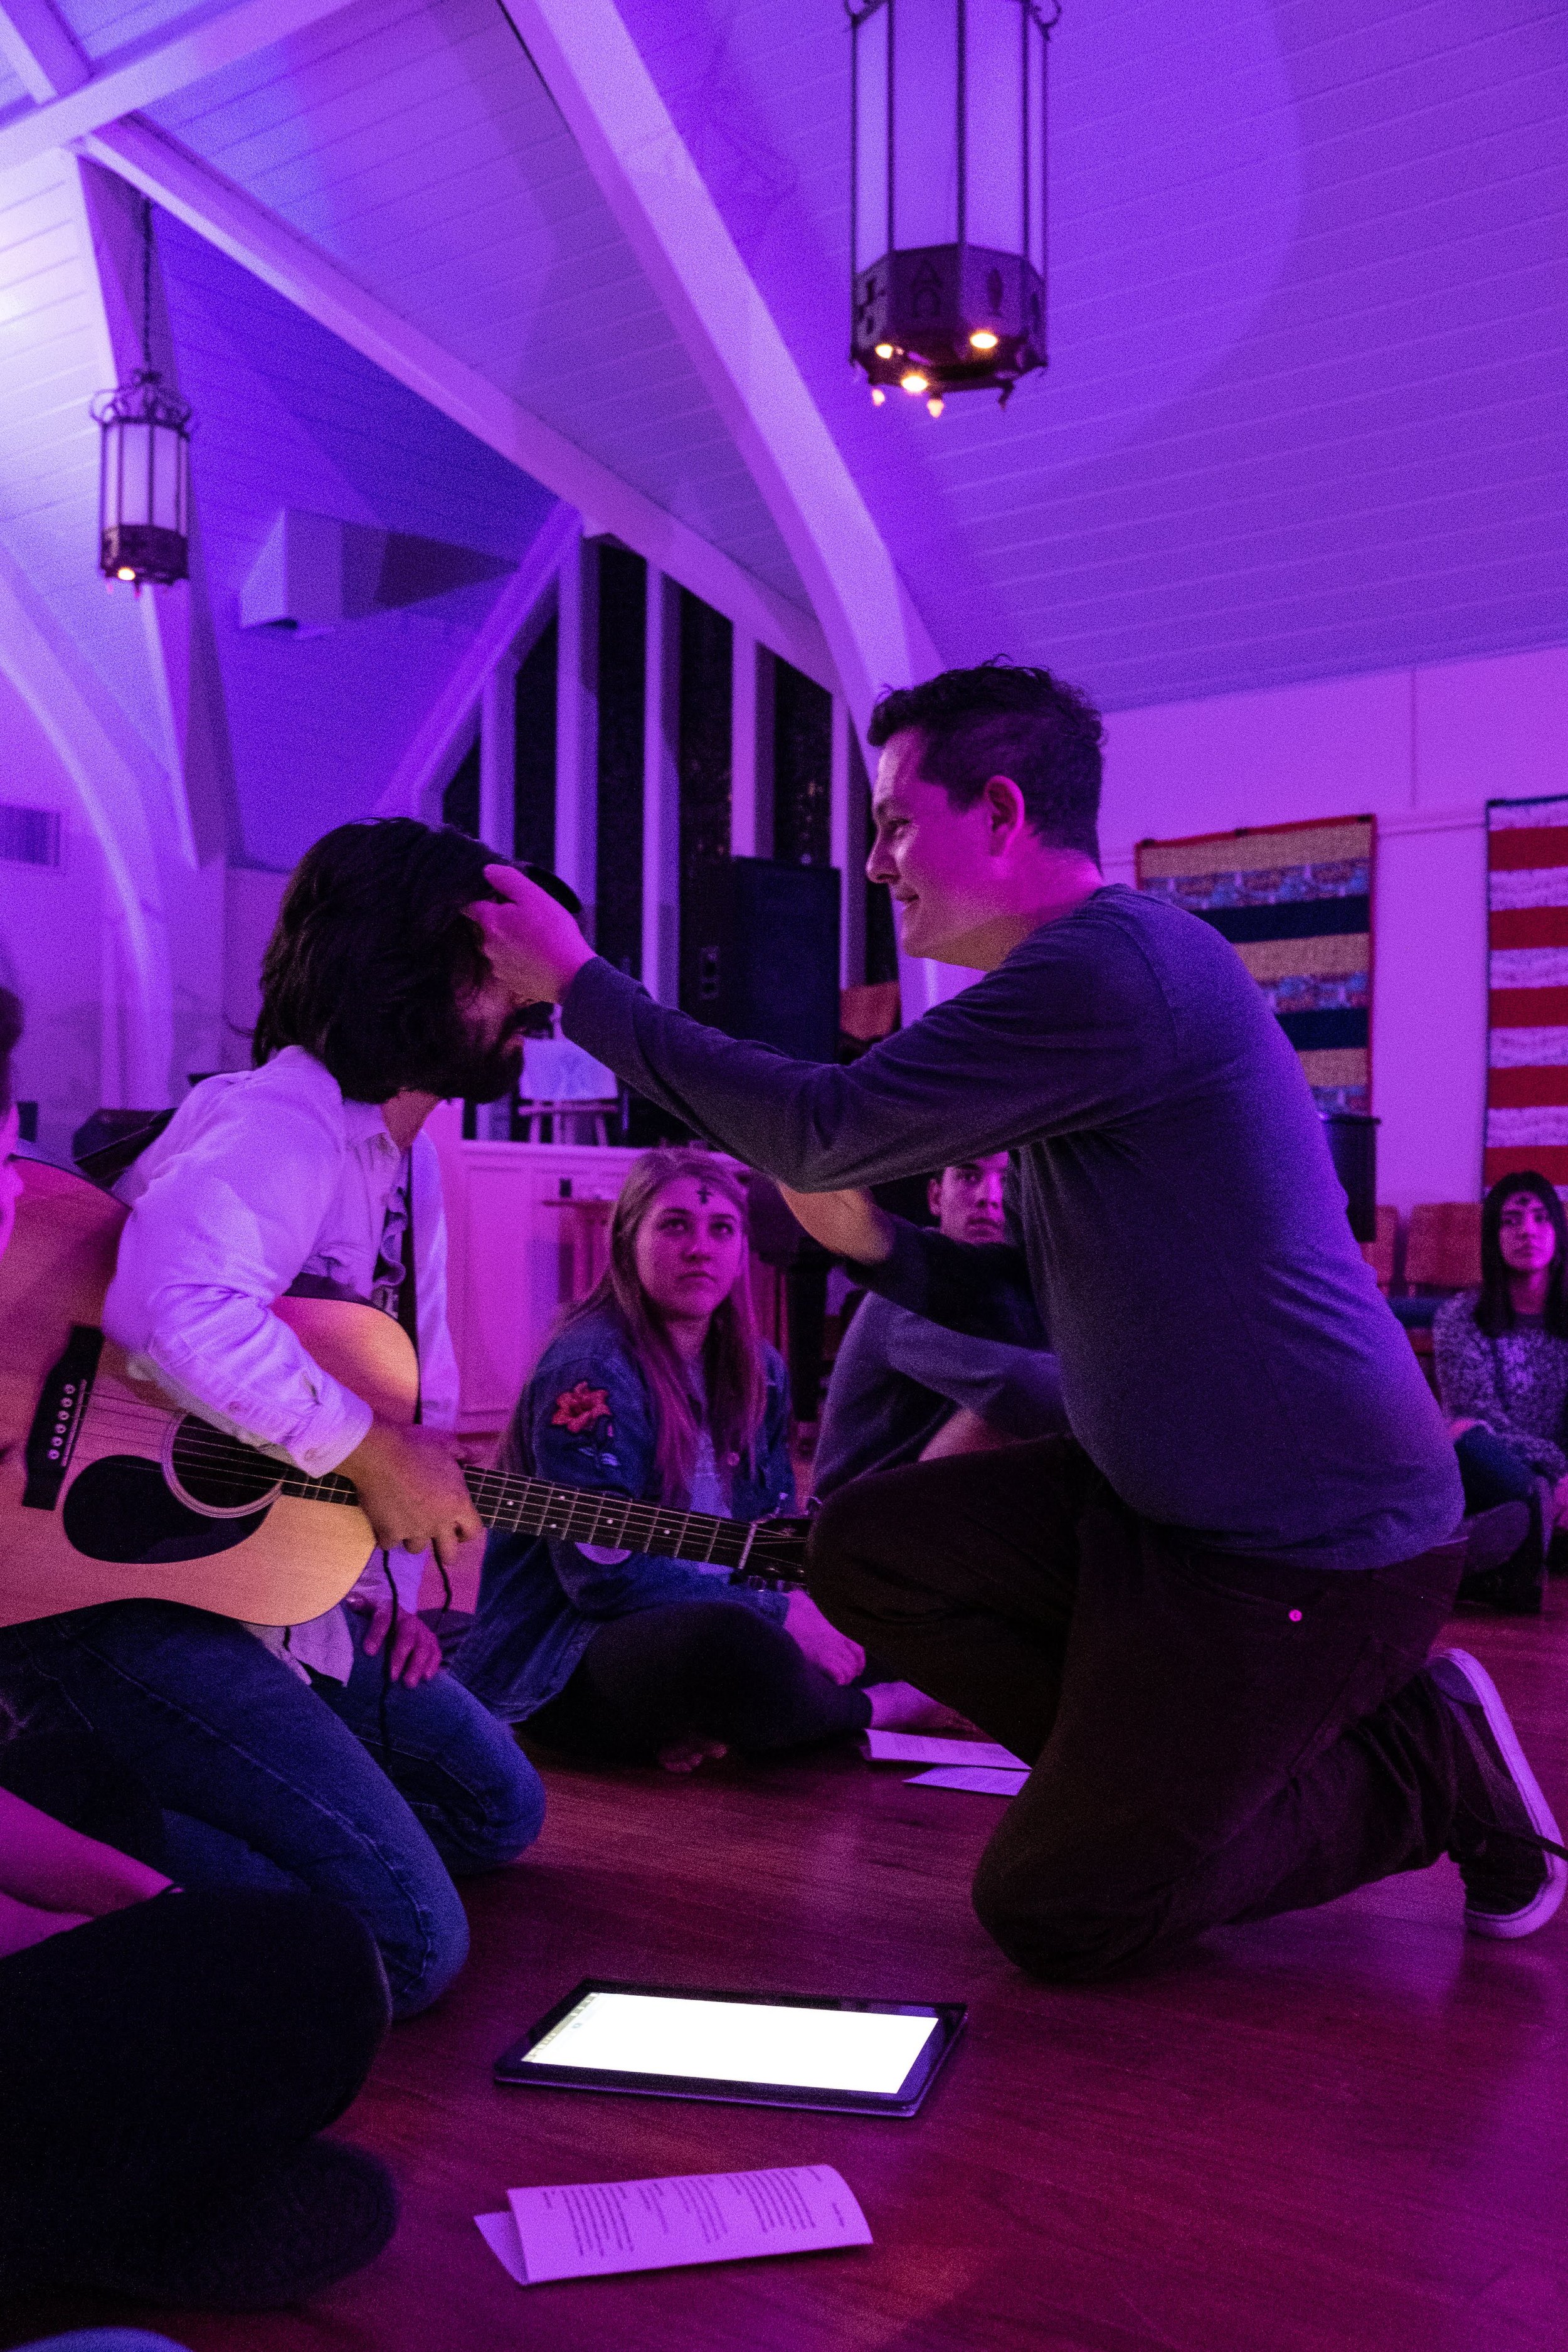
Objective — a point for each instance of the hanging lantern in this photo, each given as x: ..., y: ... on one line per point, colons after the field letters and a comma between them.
x: 144, y: 465
x: 948, y: 194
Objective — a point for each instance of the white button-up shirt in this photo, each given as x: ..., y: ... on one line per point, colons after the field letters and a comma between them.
x: 262, y: 1176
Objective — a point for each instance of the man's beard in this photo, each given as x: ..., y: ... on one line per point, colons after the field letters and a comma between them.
x: 479, y: 1071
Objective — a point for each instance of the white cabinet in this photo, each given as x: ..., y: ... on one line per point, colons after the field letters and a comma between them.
x: 526, y: 1225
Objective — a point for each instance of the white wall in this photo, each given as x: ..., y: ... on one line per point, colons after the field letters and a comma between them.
x: 52, y: 937
x: 1423, y: 750
x: 252, y: 898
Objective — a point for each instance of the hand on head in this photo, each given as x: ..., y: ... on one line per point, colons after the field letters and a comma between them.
x: 534, y: 946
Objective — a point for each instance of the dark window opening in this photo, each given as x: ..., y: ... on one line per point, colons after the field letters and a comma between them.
x: 803, y: 769
x: 622, y: 686
x: 533, y: 787
x: 702, y: 756
x: 460, y: 801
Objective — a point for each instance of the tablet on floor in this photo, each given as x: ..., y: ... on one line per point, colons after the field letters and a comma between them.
x: 764, y: 2050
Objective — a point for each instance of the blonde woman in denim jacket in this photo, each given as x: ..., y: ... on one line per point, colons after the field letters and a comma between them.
x: 659, y: 1385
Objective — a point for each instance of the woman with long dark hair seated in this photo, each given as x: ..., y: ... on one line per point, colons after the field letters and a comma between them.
x: 1502, y: 1356
x: 658, y: 1385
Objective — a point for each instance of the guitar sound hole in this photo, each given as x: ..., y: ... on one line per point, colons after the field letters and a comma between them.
x: 121, y: 1509
x: 217, y: 1472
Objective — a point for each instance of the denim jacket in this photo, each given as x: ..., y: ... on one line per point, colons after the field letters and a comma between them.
x: 585, y: 1419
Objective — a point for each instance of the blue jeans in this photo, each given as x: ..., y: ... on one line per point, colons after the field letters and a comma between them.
x: 1491, y: 1471
x: 269, y: 1784
x: 104, y: 2341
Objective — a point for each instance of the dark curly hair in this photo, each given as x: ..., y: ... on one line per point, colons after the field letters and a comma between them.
x: 373, y: 954
x: 1006, y: 719
x: 1494, y: 1308
x: 10, y: 1037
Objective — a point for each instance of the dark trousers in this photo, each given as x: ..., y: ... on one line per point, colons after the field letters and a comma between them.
x: 1212, y: 1739
x: 711, y: 1668
x: 161, y: 2062
x: 1491, y: 1472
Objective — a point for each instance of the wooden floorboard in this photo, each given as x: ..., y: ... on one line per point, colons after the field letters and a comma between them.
x: 1346, y: 2128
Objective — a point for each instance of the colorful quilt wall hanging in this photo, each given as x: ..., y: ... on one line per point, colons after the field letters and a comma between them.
x: 1295, y: 902
x: 1527, y: 925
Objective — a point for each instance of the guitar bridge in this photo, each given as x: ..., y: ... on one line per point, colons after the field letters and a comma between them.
x: 62, y: 1400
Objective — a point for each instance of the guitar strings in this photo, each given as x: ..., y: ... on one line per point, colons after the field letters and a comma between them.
x: 232, y: 1459
x: 564, y: 1511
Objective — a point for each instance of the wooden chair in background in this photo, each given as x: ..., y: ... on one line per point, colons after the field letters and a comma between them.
x: 1380, y: 1253
x: 1443, y: 1246
x: 1442, y: 1255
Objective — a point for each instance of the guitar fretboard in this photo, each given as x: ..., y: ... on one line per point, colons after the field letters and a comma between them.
x: 577, y: 1515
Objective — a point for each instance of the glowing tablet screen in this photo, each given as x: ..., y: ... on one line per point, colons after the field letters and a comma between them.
x: 736, y: 2041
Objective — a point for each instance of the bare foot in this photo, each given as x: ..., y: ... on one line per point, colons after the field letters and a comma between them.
x: 898, y: 1706
x: 685, y: 1755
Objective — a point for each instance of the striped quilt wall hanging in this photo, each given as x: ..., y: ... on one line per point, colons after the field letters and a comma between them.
x: 1295, y: 902
x: 1527, y: 1058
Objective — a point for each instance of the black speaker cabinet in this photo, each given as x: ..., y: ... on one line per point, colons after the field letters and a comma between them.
x: 760, y: 954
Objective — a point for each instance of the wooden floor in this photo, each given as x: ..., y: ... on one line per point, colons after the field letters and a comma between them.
x: 1346, y: 2128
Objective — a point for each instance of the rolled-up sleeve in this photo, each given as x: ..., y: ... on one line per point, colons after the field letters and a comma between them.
x: 219, y: 1233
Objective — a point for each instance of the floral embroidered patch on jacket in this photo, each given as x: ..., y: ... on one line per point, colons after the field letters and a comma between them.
x: 578, y: 1409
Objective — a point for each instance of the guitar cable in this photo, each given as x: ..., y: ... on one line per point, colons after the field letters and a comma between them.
x: 385, y: 1691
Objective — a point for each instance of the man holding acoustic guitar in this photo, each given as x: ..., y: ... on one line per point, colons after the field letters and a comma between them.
x: 281, y: 1229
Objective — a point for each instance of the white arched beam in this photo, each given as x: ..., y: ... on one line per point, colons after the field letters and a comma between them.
x: 450, y: 716
x: 78, y: 103
x: 114, y: 775
x: 660, y: 201
x: 111, y: 775
x: 647, y: 177
x: 41, y: 49
x: 265, y: 246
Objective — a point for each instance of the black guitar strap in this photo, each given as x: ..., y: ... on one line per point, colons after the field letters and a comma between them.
x: 408, y: 1289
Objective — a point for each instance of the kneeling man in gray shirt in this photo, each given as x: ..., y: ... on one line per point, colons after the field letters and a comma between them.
x: 1207, y: 1618
x: 905, y: 1389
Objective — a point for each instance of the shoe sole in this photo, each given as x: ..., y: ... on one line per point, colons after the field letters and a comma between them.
x: 1479, y: 1686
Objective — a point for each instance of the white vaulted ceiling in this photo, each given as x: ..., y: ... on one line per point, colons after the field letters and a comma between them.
x: 1309, y: 315
x: 414, y: 144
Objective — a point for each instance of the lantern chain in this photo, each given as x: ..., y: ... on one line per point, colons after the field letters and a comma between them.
x: 147, y: 283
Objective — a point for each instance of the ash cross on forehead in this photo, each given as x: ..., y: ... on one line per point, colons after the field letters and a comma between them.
x: 703, y: 1195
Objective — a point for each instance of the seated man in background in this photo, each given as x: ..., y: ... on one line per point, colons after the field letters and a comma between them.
x: 335, y: 1756
x: 904, y: 1389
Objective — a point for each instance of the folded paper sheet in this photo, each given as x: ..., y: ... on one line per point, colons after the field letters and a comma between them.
x: 596, y: 2228
x: 981, y: 1780
x: 916, y: 1747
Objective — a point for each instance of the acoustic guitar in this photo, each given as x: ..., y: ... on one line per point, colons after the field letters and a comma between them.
x: 110, y: 1491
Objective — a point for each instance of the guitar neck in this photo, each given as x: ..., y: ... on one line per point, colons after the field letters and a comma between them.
x: 586, y: 1516
x: 578, y: 1515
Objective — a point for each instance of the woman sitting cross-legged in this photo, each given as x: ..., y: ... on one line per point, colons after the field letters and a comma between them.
x: 658, y: 1385
x: 1502, y: 1357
